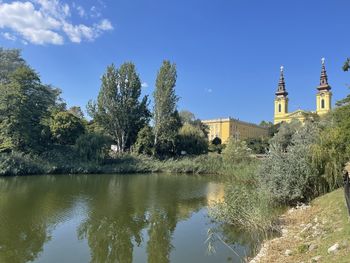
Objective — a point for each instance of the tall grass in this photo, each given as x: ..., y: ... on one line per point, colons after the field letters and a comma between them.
x: 247, y: 208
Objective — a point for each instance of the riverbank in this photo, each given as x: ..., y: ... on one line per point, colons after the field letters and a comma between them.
x: 319, y: 232
x: 18, y: 164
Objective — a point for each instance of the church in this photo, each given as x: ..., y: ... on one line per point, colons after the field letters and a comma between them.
x: 323, y: 100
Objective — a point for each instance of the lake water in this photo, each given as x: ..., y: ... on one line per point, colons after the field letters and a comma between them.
x: 113, y: 218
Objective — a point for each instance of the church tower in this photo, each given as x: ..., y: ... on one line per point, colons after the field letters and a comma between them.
x: 324, y: 94
x: 281, y: 100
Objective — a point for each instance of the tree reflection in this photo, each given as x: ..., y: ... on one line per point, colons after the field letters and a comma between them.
x: 119, y: 210
x: 124, y: 209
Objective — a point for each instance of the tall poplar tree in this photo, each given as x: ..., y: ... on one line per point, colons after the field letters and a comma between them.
x: 118, y: 109
x: 166, y: 117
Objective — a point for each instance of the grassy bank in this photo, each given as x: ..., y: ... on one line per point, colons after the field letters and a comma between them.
x: 310, y: 231
x: 67, y: 163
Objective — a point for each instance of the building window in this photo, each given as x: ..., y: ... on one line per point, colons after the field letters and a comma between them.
x: 322, y: 104
x: 279, y: 108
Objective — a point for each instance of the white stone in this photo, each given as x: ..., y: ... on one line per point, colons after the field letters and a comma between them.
x: 316, y: 259
x: 288, y: 252
x: 312, y: 247
x: 334, y: 248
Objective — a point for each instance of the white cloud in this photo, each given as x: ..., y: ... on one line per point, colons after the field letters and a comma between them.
x: 104, y: 25
x: 47, y: 22
x: 144, y: 85
x: 209, y: 90
x: 9, y: 36
x: 81, y: 11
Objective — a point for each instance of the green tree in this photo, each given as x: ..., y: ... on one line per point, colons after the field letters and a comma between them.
x: 10, y: 60
x: 192, y: 140
x: 76, y: 111
x: 144, y: 142
x: 187, y: 117
x: 24, y: 103
x: 66, y: 128
x: 93, y: 146
x: 119, y: 110
x: 166, y: 118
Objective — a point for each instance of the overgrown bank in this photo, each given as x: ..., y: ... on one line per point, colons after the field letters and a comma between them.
x: 316, y: 233
x: 68, y: 163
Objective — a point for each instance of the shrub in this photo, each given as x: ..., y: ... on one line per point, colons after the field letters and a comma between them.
x: 192, y: 140
x: 236, y: 151
x: 288, y: 173
x: 246, y: 207
x: 17, y: 163
x: 93, y: 146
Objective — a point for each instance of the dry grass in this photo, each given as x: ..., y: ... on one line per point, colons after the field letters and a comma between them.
x: 309, y: 232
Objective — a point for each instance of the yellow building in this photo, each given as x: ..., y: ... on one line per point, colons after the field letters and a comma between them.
x: 229, y: 127
x: 323, y: 100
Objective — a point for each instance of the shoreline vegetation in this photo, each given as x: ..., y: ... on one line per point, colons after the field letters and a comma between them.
x: 17, y: 164
x: 319, y: 232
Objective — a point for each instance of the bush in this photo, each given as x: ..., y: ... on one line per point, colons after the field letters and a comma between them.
x: 236, y: 151
x: 246, y: 207
x: 16, y: 163
x: 192, y: 140
x: 93, y: 147
x: 288, y: 173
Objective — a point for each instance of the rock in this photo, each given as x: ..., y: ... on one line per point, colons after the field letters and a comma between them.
x: 312, y: 247
x: 284, y: 232
x: 334, y: 248
x: 316, y: 259
x: 288, y: 252
x: 316, y: 226
x: 316, y: 219
x: 306, y: 228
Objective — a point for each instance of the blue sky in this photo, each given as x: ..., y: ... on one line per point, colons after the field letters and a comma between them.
x: 228, y: 53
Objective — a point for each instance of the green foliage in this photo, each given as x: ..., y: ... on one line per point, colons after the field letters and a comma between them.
x: 283, y: 137
x: 118, y: 109
x: 166, y: 117
x: 10, y: 60
x: 66, y: 128
x: 236, y: 151
x: 77, y: 112
x: 187, y: 116
x: 288, y: 173
x: 192, y: 140
x: 93, y: 147
x: 24, y: 104
x: 246, y: 207
x: 332, y: 150
x: 258, y: 145
x: 17, y: 163
x: 145, y: 141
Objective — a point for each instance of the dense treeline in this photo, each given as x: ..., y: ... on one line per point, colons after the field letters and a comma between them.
x: 40, y: 134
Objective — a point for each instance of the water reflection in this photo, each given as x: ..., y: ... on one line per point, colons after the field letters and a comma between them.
x: 113, y: 215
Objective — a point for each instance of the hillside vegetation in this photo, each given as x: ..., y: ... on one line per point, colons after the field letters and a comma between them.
x: 310, y: 232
